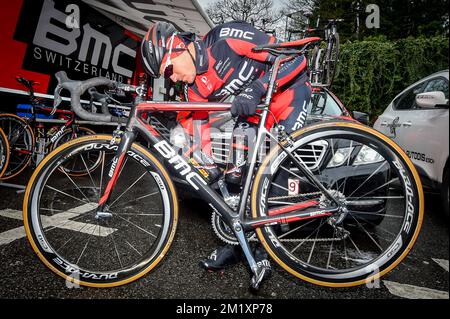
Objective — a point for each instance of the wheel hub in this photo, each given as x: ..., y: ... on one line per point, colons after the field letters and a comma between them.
x: 338, y: 217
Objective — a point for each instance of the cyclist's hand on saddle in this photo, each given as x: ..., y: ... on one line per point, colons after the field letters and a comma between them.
x: 246, y: 102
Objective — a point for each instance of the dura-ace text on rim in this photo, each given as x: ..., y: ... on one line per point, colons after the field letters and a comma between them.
x: 308, y: 251
x: 134, y: 248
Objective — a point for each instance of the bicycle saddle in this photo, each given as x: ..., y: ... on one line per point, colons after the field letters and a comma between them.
x: 287, y: 45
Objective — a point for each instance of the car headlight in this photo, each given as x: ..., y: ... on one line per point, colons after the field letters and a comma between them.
x: 367, y: 155
x: 340, y: 156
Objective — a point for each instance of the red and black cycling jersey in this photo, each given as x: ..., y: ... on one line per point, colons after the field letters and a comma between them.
x: 226, y: 64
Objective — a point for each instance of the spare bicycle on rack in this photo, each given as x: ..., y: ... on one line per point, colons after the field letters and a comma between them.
x: 116, y: 223
x: 30, y: 140
x: 323, y: 61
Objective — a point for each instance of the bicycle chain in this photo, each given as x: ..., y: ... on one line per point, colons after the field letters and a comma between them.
x: 253, y: 238
x: 310, y: 240
x: 295, y: 196
x: 304, y: 240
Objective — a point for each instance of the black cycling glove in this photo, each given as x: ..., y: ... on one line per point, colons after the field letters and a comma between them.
x: 246, y: 102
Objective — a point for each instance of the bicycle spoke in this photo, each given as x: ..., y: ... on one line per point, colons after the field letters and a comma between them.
x: 313, y: 246
x: 85, y: 246
x: 354, y: 245
x: 345, y: 253
x: 89, y: 173
x: 132, y: 247
x: 279, y: 186
x: 299, y: 245
x: 295, y: 229
x: 134, y: 183
x: 362, y: 227
x: 136, y: 199
x: 331, y: 249
x: 375, y: 214
x: 354, y: 199
x: 138, y: 227
x: 57, y: 190
x: 101, y: 178
x: 348, y: 164
x: 79, y: 231
x: 67, y: 175
x: 115, y: 247
x: 379, y: 187
x: 368, y: 178
x: 59, y: 248
x: 64, y: 223
x: 290, y: 172
x: 378, y: 226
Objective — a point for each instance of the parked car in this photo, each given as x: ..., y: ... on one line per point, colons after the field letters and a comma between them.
x: 417, y: 120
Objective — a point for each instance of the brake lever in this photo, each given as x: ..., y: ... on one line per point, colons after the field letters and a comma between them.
x: 57, y: 98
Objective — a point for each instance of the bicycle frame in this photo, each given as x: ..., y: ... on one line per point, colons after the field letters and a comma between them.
x: 50, y: 139
x: 186, y: 171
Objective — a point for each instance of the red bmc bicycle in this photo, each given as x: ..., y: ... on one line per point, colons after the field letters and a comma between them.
x: 356, y: 215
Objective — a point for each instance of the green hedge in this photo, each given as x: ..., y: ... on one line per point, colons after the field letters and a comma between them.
x: 372, y: 72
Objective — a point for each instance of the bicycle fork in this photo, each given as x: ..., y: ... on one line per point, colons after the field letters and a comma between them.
x: 126, y: 141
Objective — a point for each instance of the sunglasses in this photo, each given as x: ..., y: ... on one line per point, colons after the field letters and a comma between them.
x: 168, y: 67
x: 168, y: 71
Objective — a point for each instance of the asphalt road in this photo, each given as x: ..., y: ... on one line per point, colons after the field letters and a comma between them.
x: 424, y: 273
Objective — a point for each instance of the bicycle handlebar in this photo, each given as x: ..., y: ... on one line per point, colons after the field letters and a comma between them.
x: 99, y: 97
x: 76, y: 89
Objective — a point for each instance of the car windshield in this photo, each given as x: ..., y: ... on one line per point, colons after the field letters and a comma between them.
x: 323, y: 103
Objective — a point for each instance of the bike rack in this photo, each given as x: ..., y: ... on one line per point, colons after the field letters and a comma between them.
x: 21, y: 188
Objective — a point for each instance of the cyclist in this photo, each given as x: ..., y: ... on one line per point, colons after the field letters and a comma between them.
x: 222, y: 63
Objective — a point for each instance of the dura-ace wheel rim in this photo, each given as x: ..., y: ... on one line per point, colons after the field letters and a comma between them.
x: 390, y: 252
x: 81, y: 220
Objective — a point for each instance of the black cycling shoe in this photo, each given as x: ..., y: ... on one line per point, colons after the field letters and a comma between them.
x: 262, y: 260
x: 222, y: 257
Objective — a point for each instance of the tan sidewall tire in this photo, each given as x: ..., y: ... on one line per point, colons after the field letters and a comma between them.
x: 148, y: 268
x: 367, y: 130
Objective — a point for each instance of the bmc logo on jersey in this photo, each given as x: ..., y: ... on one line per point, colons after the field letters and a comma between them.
x: 236, y: 33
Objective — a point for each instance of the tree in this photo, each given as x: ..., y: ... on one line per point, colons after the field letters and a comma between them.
x: 398, y: 18
x: 259, y: 13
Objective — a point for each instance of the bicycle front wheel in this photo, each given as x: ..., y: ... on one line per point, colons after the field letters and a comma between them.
x: 379, y: 196
x: 125, y: 241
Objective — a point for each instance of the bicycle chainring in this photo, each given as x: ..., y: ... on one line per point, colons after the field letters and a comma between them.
x: 224, y: 232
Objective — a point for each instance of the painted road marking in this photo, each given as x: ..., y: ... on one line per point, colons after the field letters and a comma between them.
x: 441, y: 262
x: 414, y: 292
x: 60, y: 220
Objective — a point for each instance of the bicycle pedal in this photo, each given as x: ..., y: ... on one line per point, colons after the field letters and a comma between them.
x: 257, y: 280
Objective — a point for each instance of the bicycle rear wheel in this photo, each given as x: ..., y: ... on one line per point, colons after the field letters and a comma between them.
x: 4, y: 153
x: 370, y: 176
x: 123, y: 243
x: 21, y: 143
